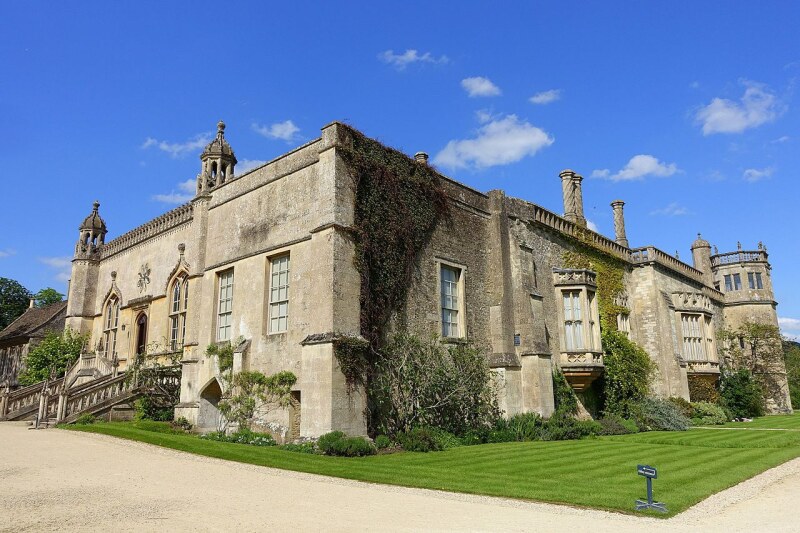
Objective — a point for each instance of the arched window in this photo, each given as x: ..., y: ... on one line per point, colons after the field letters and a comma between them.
x: 110, y: 323
x: 179, y: 301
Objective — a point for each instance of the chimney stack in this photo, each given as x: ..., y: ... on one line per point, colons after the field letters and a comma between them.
x: 421, y: 157
x: 31, y: 303
x: 619, y: 223
x: 573, y: 197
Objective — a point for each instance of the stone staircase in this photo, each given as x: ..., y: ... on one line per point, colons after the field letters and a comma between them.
x: 91, y: 386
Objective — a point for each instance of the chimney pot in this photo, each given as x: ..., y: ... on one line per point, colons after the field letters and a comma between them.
x: 421, y: 157
x: 32, y: 303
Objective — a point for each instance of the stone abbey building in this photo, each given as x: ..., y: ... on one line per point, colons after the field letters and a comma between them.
x: 267, y: 257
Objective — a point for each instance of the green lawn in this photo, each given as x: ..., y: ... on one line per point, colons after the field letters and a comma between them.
x: 597, y: 472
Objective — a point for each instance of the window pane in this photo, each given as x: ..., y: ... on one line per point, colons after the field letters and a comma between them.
x: 751, y: 280
x: 737, y: 282
x: 728, y: 284
x: 759, y: 284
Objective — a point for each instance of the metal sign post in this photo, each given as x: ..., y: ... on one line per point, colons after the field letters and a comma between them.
x: 650, y: 473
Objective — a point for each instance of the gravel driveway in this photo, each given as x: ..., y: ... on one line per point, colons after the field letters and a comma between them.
x: 55, y: 480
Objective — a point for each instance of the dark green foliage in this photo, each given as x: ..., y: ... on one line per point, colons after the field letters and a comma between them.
x: 615, y: 425
x: 243, y: 436
x: 182, y: 424
x: 702, y: 390
x: 562, y: 426
x: 398, y: 203
x: 686, y: 408
x: 658, y: 414
x: 249, y: 389
x: 303, y: 447
x: 353, y: 356
x: 564, y: 395
x: 708, y: 414
x: 52, y: 356
x: 85, y: 419
x: 47, y: 296
x: 628, y: 370
x: 427, y: 440
x: 149, y: 408
x: 791, y: 351
x: 14, y: 299
x: 521, y: 427
x: 741, y: 394
x: 382, y: 442
x: 224, y: 353
x: 337, y: 443
x: 428, y: 384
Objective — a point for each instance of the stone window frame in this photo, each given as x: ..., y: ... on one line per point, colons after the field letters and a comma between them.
x: 228, y: 313
x: 707, y: 336
x: 624, y: 324
x: 111, y: 311
x: 755, y: 280
x: 461, y: 309
x: 271, y: 292
x: 178, y: 305
x: 582, y: 282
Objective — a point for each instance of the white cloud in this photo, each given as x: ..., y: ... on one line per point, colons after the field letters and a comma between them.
x: 7, y: 252
x: 790, y: 327
x: 639, y: 167
x: 671, y: 210
x: 484, y: 115
x: 781, y: 140
x: 592, y: 226
x: 246, y: 165
x: 62, y: 266
x: 498, y: 142
x: 401, y: 61
x: 546, y: 97
x: 177, y: 150
x: 753, y: 175
x: 285, y: 130
x: 185, y: 192
x: 756, y: 106
x: 480, y: 86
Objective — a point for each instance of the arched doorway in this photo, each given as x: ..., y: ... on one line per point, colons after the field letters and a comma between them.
x: 208, y: 416
x: 141, y: 334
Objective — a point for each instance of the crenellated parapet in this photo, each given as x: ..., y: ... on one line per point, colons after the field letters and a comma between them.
x: 158, y: 225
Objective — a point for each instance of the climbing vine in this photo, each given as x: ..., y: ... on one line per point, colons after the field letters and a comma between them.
x: 610, y: 273
x: 398, y: 203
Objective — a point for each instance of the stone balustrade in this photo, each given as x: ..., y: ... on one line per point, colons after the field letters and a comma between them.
x: 740, y: 256
x: 560, y: 224
x: 651, y: 254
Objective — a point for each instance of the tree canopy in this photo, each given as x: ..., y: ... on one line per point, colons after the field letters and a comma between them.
x: 47, y: 296
x: 53, y: 355
x: 14, y: 299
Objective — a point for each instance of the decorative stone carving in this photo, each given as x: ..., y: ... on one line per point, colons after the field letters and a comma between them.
x: 144, y: 278
x: 574, y: 276
x: 691, y: 301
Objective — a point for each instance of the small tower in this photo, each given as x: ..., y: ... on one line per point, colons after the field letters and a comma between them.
x: 701, y: 259
x: 92, y: 234
x: 218, y: 162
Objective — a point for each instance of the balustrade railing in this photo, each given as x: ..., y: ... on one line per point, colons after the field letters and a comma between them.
x: 651, y: 254
x: 740, y: 256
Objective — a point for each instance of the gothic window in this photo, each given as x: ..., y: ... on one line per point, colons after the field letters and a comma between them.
x: 573, y: 321
x: 225, y: 305
x: 279, y: 294
x: 451, y: 279
x: 179, y: 302
x: 110, y: 323
x: 624, y: 324
x: 581, y: 331
x: 692, y: 329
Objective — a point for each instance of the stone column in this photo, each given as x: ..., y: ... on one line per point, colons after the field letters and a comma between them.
x: 619, y: 223
x: 578, y: 199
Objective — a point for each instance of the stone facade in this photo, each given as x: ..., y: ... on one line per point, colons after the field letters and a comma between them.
x: 267, y: 257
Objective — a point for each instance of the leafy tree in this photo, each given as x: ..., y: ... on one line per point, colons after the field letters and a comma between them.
x: 47, y: 296
x: 791, y: 352
x: 741, y: 393
x: 753, y: 346
x: 420, y: 383
x: 53, y: 355
x: 628, y: 371
x: 14, y: 299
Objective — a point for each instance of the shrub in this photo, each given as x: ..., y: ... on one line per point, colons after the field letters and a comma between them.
x: 53, y: 355
x: 181, y: 423
x: 382, y: 442
x: 337, y: 443
x: 685, y: 407
x: 521, y: 427
x: 741, y: 394
x: 562, y: 426
x: 654, y: 414
x: 243, y: 436
x: 302, y: 447
x: 708, y: 414
x: 85, y: 418
x: 616, y: 425
x: 476, y: 436
x: 563, y: 394
x: 427, y: 440
x: 148, y: 408
x: 702, y: 390
x: 628, y: 370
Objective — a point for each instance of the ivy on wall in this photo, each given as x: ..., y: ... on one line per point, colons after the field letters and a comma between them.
x: 610, y: 273
x: 398, y: 203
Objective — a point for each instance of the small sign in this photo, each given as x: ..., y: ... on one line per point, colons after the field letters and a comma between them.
x: 647, y: 471
x: 650, y: 473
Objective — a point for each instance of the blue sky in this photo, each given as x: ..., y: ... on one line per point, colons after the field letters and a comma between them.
x: 687, y: 111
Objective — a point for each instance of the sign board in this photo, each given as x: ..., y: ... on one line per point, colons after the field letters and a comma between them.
x: 647, y: 471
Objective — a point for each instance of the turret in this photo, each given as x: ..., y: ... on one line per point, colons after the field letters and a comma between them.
x: 218, y: 162
x: 92, y: 233
x: 85, y: 267
x: 701, y: 258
